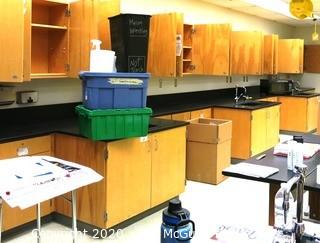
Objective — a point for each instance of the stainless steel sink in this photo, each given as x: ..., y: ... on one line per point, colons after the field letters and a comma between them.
x: 252, y: 103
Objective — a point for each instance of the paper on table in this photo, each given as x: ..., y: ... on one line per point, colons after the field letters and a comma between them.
x: 309, y: 149
x: 36, y: 185
x: 252, y: 170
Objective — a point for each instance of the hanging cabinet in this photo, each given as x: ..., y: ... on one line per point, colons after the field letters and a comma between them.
x: 51, y: 38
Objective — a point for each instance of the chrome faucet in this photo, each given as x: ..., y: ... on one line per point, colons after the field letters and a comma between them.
x: 298, y: 179
x: 243, y: 94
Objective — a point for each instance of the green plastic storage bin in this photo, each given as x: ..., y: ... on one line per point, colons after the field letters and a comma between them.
x: 113, y: 123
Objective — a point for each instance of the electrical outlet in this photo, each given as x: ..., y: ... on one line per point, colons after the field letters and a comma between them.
x: 27, y: 97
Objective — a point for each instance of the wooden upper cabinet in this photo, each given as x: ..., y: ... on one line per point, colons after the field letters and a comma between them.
x: 14, y: 14
x: 51, y: 38
x: 311, y: 58
x: 89, y: 20
x: 162, y: 57
x: 291, y: 55
x: 210, y: 49
x: 246, y: 52
x: 270, y: 60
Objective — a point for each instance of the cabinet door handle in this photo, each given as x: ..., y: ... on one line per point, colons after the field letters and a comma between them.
x: 22, y: 151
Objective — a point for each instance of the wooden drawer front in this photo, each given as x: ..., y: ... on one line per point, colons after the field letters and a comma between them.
x: 203, y: 113
x: 183, y: 116
x: 29, y: 146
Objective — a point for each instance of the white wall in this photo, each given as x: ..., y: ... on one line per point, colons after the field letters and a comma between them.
x: 195, y: 12
x: 308, y: 79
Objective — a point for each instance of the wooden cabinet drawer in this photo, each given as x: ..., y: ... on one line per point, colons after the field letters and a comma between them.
x: 183, y: 116
x: 203, y: 113
x: 30, y: 146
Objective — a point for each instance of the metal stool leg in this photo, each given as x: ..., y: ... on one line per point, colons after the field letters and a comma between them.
x: 38, y: 223
x: 1, y: 202
x: 74, y: 215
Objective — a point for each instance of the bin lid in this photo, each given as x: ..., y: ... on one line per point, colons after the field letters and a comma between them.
x: 129, y: 14
x: 86, y: 74
x: 80, y: 109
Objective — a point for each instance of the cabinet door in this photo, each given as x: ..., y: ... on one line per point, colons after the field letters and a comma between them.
x: 164, y: 29
x: 12, y: 39
x: 246, y: 53
x: 203, y: 113
x: 270, y: 64
x: 13, y: 217
x: 210, y: 49
x: 241, y: 130
x: 293, y: 113
x: 128, y: 178
x: 258, y: 131
x: 290, y: 56
x: 91, y: 200
x: 168, y: 164
x: 273, y: 126
x: 312, y: 113
x: 89, y: 20
x: 311, y: 58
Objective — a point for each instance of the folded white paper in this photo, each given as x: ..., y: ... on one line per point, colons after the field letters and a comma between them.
x: 26, y: 181
x: 252, y: 170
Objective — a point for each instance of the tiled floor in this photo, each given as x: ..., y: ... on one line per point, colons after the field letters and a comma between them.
x: 233, y: 202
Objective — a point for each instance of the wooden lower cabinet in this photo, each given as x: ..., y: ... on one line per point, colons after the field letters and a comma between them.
x: 253, y: 131
x: 298, y: 114
x: 13, y: 217
x: 138, y: 174
x: 168, y: 164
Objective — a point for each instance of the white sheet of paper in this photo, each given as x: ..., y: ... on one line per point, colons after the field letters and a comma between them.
x: 252, y: 170
x: 26, y: 181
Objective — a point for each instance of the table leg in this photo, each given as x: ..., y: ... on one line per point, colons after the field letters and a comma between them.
x: 314, y: 204
x: 273, y: 188
x: 74, y: 215
x: 38, y: 223
x: 1, y: 203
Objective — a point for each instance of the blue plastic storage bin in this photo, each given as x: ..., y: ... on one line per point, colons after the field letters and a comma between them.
x: 114, y: 90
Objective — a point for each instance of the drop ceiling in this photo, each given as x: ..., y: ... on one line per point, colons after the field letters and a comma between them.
x: 252, y: 9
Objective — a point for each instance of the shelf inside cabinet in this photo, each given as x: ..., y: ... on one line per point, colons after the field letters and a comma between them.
x: 46, y: 26
x: 49, y: 13
x: 48, y: 51
x: 187, y: 47
x: 187, y: 35
x: 49, y: 34
x: 187, y: 60
x: 50, y: 2
x: 48, y: 75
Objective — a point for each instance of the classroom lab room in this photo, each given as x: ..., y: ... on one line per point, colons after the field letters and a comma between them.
x: 160, y: 121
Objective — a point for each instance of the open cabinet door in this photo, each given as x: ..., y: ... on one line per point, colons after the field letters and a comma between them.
x: 210, y: 49
x: 12, y: 14
x: 88, y: 20
x: 162, y: 59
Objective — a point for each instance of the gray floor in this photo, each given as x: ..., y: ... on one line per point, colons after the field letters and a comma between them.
x: 234, y: 202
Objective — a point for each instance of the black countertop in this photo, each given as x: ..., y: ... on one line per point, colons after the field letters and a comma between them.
x: 183, y: 102
x: 281, y: 163
x: 27, y: 122
x: 17, y: 131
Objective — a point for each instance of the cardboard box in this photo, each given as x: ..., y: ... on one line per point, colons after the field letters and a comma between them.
x: 208, y: 130
x: 208, y: 149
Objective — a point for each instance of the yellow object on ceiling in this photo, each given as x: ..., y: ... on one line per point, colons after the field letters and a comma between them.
x: 301, y: 8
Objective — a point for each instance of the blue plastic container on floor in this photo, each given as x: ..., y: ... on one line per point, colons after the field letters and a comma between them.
x: 114, y: 90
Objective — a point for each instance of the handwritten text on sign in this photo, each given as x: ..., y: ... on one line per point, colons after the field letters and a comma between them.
x: 137, y: 27
x: 136, y: 64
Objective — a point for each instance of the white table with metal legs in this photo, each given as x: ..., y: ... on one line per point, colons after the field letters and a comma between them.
x: 74, y: 218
